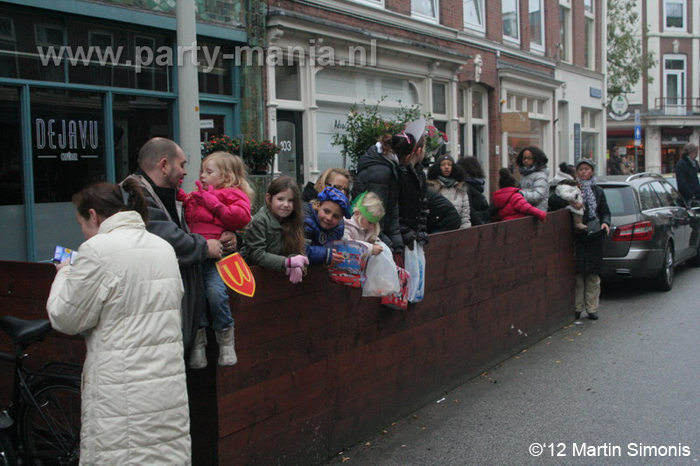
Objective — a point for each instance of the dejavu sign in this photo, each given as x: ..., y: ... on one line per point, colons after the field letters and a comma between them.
x: 67, y: 134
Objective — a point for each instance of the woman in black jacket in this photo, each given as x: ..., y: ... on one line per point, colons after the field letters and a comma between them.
x: 589, y: 244
x: 687, y: 173
x: 476, y: 181
x: 378, y: 172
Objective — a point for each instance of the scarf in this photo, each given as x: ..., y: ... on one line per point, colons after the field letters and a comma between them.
x: 524, y: 171
x: 589, y: 200
x: 447, y: 182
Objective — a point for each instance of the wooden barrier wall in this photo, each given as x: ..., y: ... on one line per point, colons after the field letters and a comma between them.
x: 320, y: 368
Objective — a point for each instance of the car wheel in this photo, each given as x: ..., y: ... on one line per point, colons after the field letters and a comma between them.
x: 664, y: 281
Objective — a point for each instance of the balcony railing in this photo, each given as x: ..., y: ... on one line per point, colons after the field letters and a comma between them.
x: 684, y: 106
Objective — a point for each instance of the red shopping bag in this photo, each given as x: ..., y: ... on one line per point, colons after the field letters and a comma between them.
x: 398, y: 300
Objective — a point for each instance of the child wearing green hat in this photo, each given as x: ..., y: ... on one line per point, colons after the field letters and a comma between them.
x: 368, y: 211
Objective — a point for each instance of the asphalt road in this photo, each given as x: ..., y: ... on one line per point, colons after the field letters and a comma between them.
x: 621, y: 390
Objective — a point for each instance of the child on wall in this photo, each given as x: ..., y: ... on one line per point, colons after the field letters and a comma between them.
x: 275, y: 236
x: 323, y: 224
x: 221, y: 203
x: 510, y: 202
x: 368, y: 211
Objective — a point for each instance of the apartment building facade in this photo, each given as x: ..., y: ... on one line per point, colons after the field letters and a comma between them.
x: 495, y: 75
x: 668, y: 104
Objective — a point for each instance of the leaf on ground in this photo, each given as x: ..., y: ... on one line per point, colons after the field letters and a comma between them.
x: 345, y: 459
x: 558, y: 362
x: 368, y: 444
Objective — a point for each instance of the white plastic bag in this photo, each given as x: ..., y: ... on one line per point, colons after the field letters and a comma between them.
x: 415, y: 264
x: 381, y: 274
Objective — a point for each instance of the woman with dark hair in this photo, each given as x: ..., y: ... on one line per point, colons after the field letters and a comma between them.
x: 534, y: 176
x: 124, y: 291
x: 447, y: 179
x: 475, y: 179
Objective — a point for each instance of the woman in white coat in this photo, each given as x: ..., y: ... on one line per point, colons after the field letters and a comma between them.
x: 124, y: 291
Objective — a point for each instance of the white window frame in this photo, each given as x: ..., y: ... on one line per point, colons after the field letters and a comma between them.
x: 373, y: 3
x: 515, y: 40
x: 589, y: 22
x: 682, y: 75
x: 446, y: 90
x: 534, y: 45
x: 423, y: 17
x: 470, y: 25
x: 685, y: 13
x: 567, y: 41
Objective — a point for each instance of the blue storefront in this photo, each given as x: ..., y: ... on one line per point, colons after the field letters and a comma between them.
x: 71, y: 119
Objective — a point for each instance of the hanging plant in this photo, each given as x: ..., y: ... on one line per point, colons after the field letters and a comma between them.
x: 256, y: 153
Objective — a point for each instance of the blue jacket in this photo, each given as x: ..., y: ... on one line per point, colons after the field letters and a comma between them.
x: 317, y: 238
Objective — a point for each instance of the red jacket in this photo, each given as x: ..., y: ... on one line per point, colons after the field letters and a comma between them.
x: 228, y: 209
x: 511, y: 204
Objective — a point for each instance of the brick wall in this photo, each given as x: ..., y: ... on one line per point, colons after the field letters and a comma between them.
x: 321, y: 368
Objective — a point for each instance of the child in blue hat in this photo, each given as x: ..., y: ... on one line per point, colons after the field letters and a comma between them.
x: 323, y: 224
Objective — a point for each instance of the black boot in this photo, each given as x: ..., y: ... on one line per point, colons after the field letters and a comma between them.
x: 577, y: 315
x: 593, y: 315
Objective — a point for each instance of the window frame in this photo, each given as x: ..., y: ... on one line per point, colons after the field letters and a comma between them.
x: 684, y: 9
x: 473, y: 26
x: 422, y: 17
x: 514, y: 40
x: 589, y: 33
x: 535, y: 45
x: 565, y: 5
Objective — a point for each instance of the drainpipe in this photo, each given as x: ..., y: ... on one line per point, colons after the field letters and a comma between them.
x: 188, y: 90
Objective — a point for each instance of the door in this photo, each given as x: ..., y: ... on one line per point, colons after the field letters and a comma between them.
x: 290, y: 134
x: 216, y: 120
x: 674, y: 85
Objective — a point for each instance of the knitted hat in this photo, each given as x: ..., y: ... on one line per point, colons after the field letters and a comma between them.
x: 442, y: 157
x: 335, y: 195
x: 586, y: 161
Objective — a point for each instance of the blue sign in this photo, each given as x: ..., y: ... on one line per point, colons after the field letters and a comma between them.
x: 577, y: 142
x: 637, y: 133
x: 595, y: 92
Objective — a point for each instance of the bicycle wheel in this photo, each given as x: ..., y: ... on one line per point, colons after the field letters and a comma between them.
x: 7, y: 453
x: 50, y: 427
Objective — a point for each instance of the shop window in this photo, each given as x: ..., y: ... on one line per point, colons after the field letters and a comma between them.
x: 68, y: 153
x: 674, y: 14
x: 136, y: 120
x: 11, y: 178
x: 334, y: 83
x: 146, y: 73
x: 439, y: 99
x: 425, y: 9
x: 287, y: 82
x: 474, y: 14
x: 536, y: 25
x: 216, y: 77
x: 511, y: 21
x: 521, y: 139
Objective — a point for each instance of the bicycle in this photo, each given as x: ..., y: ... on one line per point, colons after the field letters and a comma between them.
x: 41, y: 427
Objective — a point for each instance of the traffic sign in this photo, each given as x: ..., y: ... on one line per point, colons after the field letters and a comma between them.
x: 637, y: 135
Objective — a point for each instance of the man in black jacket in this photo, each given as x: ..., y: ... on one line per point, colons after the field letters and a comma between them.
x: 687, y: 173
x: 161, y: 169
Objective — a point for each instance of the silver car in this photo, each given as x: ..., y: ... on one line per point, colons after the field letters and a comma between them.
x: 652, y: 231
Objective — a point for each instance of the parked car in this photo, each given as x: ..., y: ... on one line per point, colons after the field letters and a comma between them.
x: 653, y: 230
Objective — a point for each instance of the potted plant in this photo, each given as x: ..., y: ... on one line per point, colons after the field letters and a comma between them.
x: 258, y: 154
x: 364, y: 128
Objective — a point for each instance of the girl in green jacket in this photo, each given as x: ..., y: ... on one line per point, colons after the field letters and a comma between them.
x: 275, y: 235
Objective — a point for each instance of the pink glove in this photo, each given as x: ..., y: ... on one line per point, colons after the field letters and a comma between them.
x: 208, y: 197
x: 295, y: 274
x: 297, y: 261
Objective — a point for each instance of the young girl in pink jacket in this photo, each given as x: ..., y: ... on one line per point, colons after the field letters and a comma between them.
x: 222, y: 203
x: 510, y: 202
